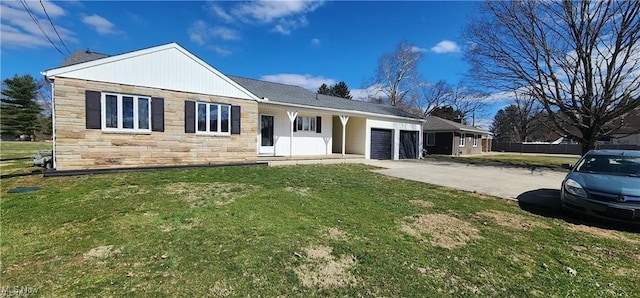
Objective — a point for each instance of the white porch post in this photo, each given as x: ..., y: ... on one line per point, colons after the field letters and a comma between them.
x: 292, y: 117
x: 344, y: 119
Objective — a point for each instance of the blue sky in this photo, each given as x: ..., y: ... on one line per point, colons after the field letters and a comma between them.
x: 304, y: 43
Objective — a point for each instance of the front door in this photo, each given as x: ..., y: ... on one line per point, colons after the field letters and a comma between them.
x: 266, y: 134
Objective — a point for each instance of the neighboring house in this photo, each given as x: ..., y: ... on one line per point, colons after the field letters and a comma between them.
x: 452, y: 138
x: 629, y: 132
x: 164, y: 106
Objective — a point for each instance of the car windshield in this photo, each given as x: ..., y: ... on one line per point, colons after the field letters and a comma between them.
x: 610, y: 165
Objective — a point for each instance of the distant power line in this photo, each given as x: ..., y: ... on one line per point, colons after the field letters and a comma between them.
x: 54, y: 27
x: 35, y: 20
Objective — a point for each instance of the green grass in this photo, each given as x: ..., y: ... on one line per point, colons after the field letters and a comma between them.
x: 10, y: 149
x: 16, y: 157
x: 513, y: 159
x: 263, y: 231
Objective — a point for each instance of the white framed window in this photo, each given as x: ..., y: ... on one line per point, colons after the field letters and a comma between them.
x: 306, y: 124
x: 462, y: 140
x: 213, y: 118
x: 125, y: 113
x: 475, y: 141
x: 431, y: 139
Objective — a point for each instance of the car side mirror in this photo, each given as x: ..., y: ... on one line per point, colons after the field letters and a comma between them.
x: 567, y: 166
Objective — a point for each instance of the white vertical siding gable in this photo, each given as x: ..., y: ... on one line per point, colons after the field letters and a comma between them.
x: 168, y: 67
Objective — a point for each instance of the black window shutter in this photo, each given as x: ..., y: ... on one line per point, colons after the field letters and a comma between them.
x: 318, y: 124
x: 189, y: 116
x: 157, y: 114
x: 295, y: 124
x: 235, y: 120
x: 92, y: 109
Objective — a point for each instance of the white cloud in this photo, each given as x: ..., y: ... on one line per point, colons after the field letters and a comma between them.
x: 303, y: 80
x: 53, y: 10
x: 315, y: 42
x: 367, y: 93
x: 18, y: 30
x: 100, y: 24
x: 201, y: 33
x: 224, y: 33
x: 219, y: 12
x: 284, y: 16
x: 445, y: 46
x: 221, y: 51
x: 198, y: 32
x: 418, y: 49
x: 286, y: 26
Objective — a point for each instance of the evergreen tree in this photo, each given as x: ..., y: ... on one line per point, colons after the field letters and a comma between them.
x: 324, y: 89
x: 341, y: 90
x: 19, y: 109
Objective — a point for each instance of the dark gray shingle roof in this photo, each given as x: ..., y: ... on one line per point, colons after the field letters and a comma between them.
x: 433, y: 123
x: 81, y: 56
x: 282, y: 93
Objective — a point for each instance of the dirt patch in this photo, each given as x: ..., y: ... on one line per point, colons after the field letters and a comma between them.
x: 185, y: 224
x: 101, y: 252
x: 202, y: 194
x: 455, y: 284
x: 423, y: 204
x: 335, y: 234
x: 602, y: 233
x: 443, y: 230
x: 511, y: 220
x: 300, y: 191
x: 323, y: 270
x: 221, y: 289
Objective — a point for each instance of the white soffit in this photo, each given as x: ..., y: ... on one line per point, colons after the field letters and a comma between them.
x: 168, y: 67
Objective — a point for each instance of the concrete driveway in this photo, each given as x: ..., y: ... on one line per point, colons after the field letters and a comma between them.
x: 504, y: 182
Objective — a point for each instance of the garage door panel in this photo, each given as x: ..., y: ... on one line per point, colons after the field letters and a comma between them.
x: 408, y: 144
x: 381, y: 143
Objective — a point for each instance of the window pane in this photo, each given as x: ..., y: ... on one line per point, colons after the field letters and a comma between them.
x: 312, y: 124
x: 202, y: 117
x: 299, y: 123
x: 111, y: 111
x: 213, y: 118
x: 127, y: 112
x: 224, y: 119
x: 305, y: 123
x: 143, y: 113
x: 431, y: 139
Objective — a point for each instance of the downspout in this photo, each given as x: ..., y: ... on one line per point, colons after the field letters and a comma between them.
x: 53, y: 123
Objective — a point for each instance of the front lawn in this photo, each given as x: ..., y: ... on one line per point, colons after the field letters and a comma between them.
x: 17, y: 157
x: 338, y: 230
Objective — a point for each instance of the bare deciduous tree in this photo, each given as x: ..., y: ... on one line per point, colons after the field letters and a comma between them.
x: 580, y: 59
x: 468, y: 102
x: 522, y: 121
x: 435, y: 95
x: 397, y: 75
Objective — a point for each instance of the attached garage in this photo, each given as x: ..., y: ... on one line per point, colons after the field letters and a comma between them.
x: 408, y: 144
x: 381, y: 143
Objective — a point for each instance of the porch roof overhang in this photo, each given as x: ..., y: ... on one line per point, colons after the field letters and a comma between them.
x: 340, y: 111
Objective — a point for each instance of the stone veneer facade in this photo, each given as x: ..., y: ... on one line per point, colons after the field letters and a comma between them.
x: 79, y: 148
